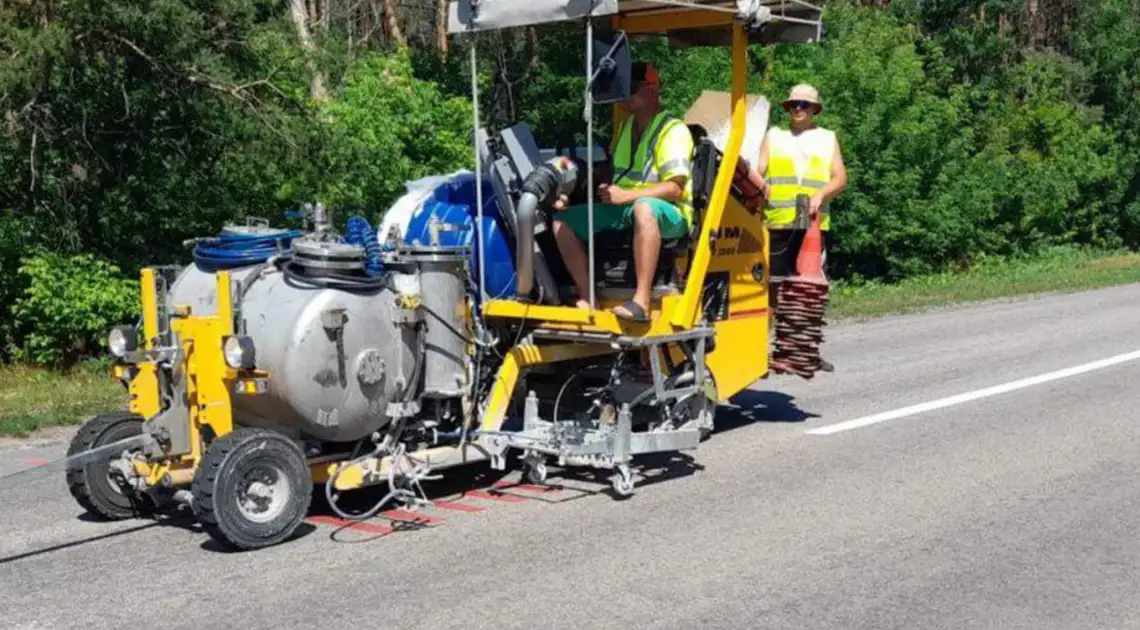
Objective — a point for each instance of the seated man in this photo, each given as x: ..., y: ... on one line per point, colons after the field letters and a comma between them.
x: 651, y: 193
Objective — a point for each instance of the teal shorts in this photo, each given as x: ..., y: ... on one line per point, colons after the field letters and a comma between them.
x: 670, y: 222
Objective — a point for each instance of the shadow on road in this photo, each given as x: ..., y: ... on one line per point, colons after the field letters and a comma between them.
x: 750, y: 406
x: 179, y: 520
x: 303, y: 530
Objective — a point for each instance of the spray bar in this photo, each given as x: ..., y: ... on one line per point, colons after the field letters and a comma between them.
x: 114, y: 448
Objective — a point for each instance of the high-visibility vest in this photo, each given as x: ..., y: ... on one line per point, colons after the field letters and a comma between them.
x: 797, y: 166
x: 668, y: 145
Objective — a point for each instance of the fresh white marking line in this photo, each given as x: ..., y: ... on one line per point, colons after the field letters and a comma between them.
x: 865, y: 421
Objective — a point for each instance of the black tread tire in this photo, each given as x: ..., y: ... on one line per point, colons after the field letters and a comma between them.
x: 216, y: 484
x: 88, y: 483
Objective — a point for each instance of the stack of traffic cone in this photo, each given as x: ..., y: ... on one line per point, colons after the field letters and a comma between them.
x: 801, y: 303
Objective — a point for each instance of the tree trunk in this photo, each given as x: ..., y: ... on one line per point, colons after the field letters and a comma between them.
x: 392, y: 24
x: 441, y: 25
x: 300, y: 14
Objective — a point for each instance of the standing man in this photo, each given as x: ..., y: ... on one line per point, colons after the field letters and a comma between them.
x: 805, y: 160
x: 651, y: 193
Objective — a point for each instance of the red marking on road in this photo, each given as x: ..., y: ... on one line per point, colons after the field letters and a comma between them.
x: 36, y: 462
x: 412, y: 517
x: 362, y: 526
x: 525, y: 487
x: 457, y: 507
x: 494, y: 496
x: 747, y: 314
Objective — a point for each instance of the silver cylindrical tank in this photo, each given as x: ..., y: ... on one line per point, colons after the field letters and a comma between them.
x: 337, y: 358
x: 443, y: 281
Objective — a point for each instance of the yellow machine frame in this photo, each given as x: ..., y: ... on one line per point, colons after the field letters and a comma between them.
x: 733, y: 242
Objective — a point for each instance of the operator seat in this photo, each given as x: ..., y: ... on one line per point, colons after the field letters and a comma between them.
x: 613, y: 249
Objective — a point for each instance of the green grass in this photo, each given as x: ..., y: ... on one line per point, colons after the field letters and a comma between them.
x: 1064, y: 270
x: 32, y: 398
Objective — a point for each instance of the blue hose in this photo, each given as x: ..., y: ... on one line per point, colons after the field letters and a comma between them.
x: 359, y: 232
x: 230, y: 251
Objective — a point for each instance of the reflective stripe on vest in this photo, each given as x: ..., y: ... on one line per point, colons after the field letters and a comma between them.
x: 641, y: 169
x: 785, y: 183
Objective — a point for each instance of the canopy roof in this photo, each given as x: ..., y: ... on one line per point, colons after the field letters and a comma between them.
x: 686, y: 22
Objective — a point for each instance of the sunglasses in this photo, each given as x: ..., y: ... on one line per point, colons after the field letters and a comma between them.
x: 799, y: 105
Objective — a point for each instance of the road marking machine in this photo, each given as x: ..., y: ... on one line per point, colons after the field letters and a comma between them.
x: 281, y: 361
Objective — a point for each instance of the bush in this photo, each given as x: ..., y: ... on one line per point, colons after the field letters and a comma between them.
x: 385, y: 128
x: 67, y: 308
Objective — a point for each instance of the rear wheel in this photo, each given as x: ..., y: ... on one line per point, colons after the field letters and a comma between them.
x: 252, y: 489
x: 91, y: 484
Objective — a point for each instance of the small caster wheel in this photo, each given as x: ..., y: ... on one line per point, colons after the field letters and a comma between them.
x: 623, y: 482
x: 536, y: 472
x: 91, y: 484
x: 252, y: 489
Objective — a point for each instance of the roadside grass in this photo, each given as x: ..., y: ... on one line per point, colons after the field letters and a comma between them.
x: 1059, y: 271
x: 32, y: 398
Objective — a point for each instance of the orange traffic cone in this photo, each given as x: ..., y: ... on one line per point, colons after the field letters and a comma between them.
x: 809, y: 263
x: 802, y: 301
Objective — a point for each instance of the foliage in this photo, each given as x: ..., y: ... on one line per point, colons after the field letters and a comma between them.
x: 386, y: 128
x: 68, y: 306
x: 971, y: 128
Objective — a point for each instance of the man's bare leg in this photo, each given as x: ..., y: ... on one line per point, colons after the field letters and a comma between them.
x: 646, y: 248
x: 574, y: 257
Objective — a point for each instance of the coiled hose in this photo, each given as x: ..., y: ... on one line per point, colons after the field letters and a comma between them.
x: 230, y: 251
x: 359, y: 232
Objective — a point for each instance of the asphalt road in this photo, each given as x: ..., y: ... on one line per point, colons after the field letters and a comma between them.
x: 1014, y: 510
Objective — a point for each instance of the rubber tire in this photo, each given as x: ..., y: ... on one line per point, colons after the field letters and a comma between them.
x: 88, y: 483
x: 216, y: 483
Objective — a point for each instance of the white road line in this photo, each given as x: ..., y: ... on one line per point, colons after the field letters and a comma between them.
x: 865, y: 421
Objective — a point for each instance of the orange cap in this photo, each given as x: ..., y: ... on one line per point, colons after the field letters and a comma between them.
x: 645, y: 72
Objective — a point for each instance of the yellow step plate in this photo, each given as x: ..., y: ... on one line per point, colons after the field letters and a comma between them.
x: 574, y: 319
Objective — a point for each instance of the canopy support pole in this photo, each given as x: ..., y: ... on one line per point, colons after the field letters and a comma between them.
x: 590, y: 151
x: 478, y: 170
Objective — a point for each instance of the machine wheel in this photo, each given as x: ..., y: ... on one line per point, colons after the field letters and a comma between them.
x: 252, y: 489
x: 623, y: 481
x: 91, y: 483
x: 536, y: 472
x: 705, y: 406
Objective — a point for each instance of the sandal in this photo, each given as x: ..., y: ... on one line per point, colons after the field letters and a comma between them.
x: 634, y: 312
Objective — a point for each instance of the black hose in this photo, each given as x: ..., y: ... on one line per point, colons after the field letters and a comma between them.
x: 333, y: 280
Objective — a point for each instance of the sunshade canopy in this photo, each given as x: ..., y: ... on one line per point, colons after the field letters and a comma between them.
x: 769, y: 21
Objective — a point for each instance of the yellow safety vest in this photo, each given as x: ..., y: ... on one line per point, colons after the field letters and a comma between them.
x: 668, y: 141
x: 785, y: 152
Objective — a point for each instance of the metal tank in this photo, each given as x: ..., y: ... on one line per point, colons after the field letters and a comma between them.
x: 341, y: 362
x: 441, y: 276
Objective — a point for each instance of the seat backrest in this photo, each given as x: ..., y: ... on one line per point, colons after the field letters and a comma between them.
x: 698, y: 132
x: 706, y: 162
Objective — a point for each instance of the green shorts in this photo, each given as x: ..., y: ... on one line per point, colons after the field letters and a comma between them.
x: 670, y: 222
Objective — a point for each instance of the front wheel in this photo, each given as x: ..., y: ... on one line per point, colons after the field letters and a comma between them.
x: 91, y: 484
x: 252, y: 489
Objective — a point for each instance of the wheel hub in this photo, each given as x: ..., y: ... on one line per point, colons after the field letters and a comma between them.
x: 264, y: 493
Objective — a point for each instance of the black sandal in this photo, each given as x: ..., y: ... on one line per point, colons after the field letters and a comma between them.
x: 636, y: 313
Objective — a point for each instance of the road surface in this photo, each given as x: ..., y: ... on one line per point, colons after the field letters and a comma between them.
x: 972, y: 507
